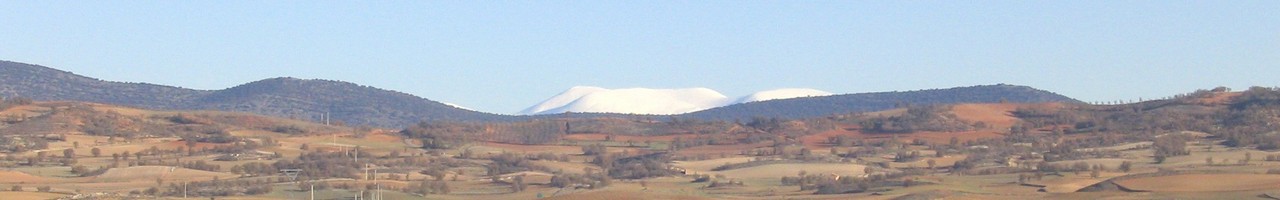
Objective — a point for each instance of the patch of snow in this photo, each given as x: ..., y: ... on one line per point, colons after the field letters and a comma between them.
x: 785, y: 93
x: 457, y: 106
x: 653, y: 101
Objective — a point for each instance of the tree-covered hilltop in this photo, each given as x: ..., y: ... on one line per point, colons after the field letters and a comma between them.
x: 280, y: 97
x: 809, y: 107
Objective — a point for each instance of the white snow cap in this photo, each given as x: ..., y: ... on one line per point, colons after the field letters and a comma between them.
x: 588, y: 99
x: 456, y: 106
x: 785, y: 93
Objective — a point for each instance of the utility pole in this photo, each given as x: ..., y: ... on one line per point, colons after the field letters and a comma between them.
x: 377, y: 189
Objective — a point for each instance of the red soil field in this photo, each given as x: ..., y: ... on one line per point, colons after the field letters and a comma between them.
x: 820, y: 139
x: 995, y: 115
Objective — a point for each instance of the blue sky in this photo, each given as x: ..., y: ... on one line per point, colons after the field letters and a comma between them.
x: 502, y: 56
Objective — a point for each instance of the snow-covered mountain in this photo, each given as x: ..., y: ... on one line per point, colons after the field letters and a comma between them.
x: 588, y: 99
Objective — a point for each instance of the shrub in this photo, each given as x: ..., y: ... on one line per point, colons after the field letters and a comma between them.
x: 718, y: 184
x: 702, y: 178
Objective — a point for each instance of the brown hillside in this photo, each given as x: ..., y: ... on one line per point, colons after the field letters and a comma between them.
x: 995, y: 115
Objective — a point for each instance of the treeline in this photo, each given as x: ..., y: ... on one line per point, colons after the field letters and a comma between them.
x: 509, y: 163
x: 314, y: 165
x: 444, y: 135
x: 837, y: 184
x: 636, y: 167
x: 238, y: 187
x: 10, y: 102
x: 1250, y: 119
x: 647, y: 126
x: 590, y: 180
x: 12, y: 144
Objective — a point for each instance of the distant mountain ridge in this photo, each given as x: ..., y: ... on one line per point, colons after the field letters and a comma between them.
x: 648, y: 101
x: 43, y: 83
x: 282, y: 97
x: 352, y: 103
x: 807, y: 107
x: 364, y: 105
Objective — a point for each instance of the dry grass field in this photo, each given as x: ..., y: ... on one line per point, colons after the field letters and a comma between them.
x: 11, y: 177
x: 716, y: 150
x: 1069, y: 183
x: 943, y: 162
x: 991, y: 177
x: 1109, y: 163
x: 1203, y: 183
x: 569, y: 167
x: 10, y: 195
x: 151, y: 173
x: 996, y: 115
x: 496, y: 148
x: 776, y: 171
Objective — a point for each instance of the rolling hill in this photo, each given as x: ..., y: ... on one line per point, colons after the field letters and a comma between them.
x: 806, y: 107
x: 585, y: 99
x: 355, y: 104
x: 309, y: 99
x: 281, y: 97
